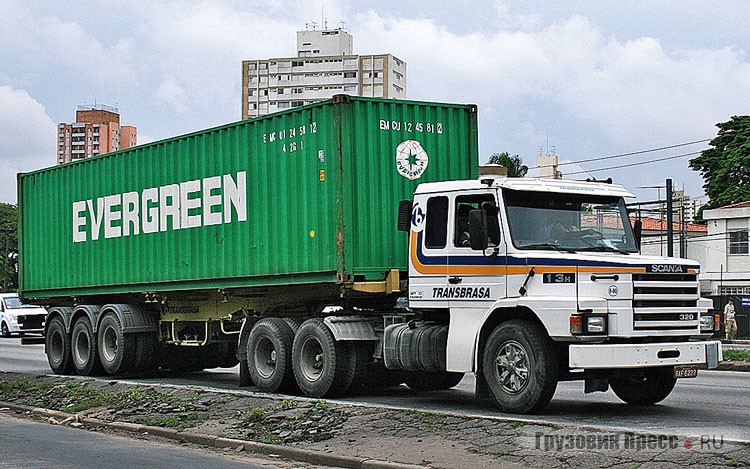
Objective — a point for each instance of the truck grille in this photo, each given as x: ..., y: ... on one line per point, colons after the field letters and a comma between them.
x: 665, y: 301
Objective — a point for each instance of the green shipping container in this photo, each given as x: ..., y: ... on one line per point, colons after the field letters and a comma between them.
x: 309, y: 195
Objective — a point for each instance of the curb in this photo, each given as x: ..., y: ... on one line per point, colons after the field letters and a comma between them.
x: 296, y: 454
x: 729, y: 365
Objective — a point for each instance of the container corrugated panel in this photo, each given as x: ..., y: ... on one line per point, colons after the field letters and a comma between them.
x: 303, y: 196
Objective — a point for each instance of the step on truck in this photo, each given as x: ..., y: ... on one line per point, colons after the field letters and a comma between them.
x: 348, y: 245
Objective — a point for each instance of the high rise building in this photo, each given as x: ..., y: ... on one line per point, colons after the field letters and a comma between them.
x: 96, y: 131
x: 325, y: 66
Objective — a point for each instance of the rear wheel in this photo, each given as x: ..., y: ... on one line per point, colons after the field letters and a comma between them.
x: 57, y: 346
x: 116, y: 349
x: 647, y: 387
x: 4, y: 331
x: 269, y: 355
x: 520, y: 366
x: 84, y: 349
x: 322, y: 366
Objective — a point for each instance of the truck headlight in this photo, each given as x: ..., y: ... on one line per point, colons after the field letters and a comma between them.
x: 596, y: 324
x: 707, y: 323
x: 588, y: 324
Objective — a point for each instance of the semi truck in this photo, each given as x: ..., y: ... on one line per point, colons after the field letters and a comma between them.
x: 351, y: 244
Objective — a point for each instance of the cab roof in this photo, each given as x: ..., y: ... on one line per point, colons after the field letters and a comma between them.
x: 529, y: 185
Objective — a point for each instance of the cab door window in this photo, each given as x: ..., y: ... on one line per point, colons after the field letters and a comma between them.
x: 436, y: 228
x: 462, y: 206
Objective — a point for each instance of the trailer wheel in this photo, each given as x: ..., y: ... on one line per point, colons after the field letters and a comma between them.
x: 84, y: 350
x: 322, y: 366
x: 422, y: 381
x: 650, y: 386
x: 4, y: 331
x: 269, y: 355
x: 57, y: 346
x: 520, y: 367
x: 116, y: 349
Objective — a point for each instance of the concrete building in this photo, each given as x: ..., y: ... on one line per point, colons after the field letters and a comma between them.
x: 724, y: 254
x: 96, y: 131
x: 325, y: 65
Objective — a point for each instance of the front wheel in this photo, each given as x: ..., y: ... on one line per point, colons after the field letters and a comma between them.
x: 4, y: 331
x: 646, y: 387
x: 520, y: 366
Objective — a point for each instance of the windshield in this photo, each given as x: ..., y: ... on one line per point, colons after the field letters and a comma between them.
x: 568, y: 222
x: 12, y: 303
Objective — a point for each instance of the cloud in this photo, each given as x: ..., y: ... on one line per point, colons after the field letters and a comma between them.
x: 27, y: 141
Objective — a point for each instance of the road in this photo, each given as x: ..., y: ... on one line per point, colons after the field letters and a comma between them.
x: 714, y: 403
x: 28, y: 444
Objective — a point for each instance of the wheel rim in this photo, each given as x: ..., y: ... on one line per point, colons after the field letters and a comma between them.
x: 81, y: 348
x: 109, y: 344
x: 55, y: 347
x: 265, y: 357
x: 311, y: 359
x: 512, y: 367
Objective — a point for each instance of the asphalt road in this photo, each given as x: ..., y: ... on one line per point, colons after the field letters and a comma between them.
x: 716, y: 403
x: 27, y: 444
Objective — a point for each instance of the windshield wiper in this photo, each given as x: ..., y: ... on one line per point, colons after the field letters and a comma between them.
x: 603, y: 248
x: 556, y: 247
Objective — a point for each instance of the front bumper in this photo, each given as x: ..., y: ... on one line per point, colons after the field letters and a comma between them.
x: 603, y: 356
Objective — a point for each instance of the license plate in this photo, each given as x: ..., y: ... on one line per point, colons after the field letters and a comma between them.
x: 686, y: 371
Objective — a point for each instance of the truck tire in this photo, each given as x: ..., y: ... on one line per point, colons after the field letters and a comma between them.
x: 146, y: 356
x: 520, y: 367
x: 649, y: 387
x: 322, y: 366
x: 116, y: 349
x: 4, y: 331
x: 422, y: 381
x: 84, y: 350
x: 57, y: 346
x: 269, y: 355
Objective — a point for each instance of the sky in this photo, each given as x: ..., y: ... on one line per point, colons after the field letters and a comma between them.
x: 586, y: 79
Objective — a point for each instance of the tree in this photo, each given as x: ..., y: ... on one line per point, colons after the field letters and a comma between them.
x: 516, y: 168
x: 725, y: 168
x: 8, y: 245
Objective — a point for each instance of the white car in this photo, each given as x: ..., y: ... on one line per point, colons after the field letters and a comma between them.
x: 17, y: 318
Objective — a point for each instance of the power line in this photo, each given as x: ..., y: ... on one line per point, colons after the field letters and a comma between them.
x: 634, y: 164
x: 621, y: 155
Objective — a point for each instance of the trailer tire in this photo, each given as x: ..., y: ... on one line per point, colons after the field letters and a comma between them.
x: 146, y: 356
x: 57, y: 346
x: 4, y: 331
x: 84, y: 349
x: 269, y: 355
x: 322, y: 366
x: 520, y: 366
x: 422, y: 381
x: 648, y: 388
x: 116, y: 349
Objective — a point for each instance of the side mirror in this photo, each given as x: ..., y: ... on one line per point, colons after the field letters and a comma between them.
x: 478, y: 230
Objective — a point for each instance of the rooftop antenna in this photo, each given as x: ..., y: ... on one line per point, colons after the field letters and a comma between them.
x: 342, y: 25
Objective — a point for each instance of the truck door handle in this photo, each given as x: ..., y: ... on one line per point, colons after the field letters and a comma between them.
x: 455, y: 280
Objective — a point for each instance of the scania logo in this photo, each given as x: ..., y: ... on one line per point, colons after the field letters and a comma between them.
x: 667, y: 268
x: 613, y: 290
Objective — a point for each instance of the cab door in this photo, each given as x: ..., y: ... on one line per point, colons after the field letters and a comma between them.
x: 476, y: 279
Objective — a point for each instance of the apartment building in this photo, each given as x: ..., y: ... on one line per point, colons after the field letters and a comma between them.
x: 325, y: 65
x: 96, y: 131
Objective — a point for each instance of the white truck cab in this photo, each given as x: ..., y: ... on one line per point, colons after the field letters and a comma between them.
x: 541, y: 280
x: 18, y: 318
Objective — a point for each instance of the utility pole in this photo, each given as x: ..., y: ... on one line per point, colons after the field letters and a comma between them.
x: 670, y: 220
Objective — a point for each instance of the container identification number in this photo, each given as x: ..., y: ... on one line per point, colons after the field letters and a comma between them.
x: 422, y: 127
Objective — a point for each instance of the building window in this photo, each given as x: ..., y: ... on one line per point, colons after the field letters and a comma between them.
x: 350, y: 74
x: 297, y: 90
x: 283, y: 104
x: 738, y: 242
x: 297, y: 63
x: 297, y: 103
x: 280, y: 91
x: 305, y: 53
x: 350, y: 62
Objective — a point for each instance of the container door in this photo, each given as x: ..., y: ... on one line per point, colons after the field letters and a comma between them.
x: 428, y: 249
